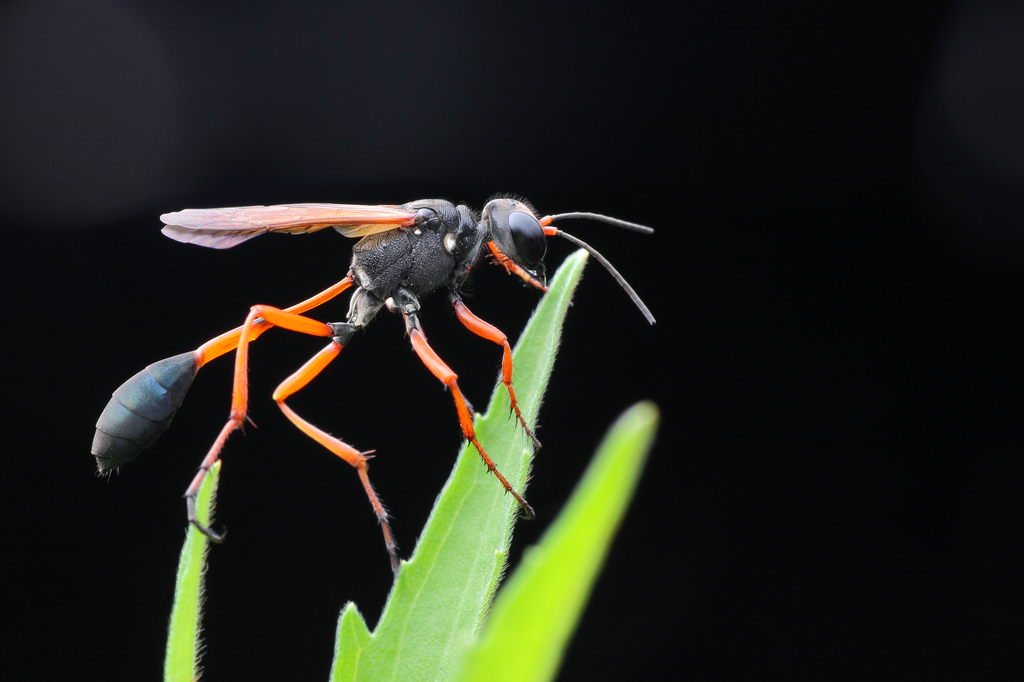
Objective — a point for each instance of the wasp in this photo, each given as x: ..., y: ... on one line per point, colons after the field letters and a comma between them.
x: 404, y: 252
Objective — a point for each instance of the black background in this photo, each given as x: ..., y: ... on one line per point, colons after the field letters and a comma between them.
x: 837, y: 192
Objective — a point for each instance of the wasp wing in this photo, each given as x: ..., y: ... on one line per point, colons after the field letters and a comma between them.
x: 222, y: 228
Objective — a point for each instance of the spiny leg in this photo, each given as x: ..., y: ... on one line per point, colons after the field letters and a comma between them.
x: 444, y: 373
x: 357, y: 459
x: 492, y: 333
x: 240, y: 395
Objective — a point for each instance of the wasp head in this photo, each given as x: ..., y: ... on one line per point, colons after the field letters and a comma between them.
x: 516, y: 233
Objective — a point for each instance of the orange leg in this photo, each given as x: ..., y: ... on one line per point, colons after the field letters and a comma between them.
x: 492, y: 333
x: 228, y: 341
x: 513, y: 269
x: 296, y: 382
x: 448, y: 378
x: 240, y: 396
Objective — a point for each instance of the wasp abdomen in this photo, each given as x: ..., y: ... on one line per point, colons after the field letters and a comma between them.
x: 141, y: 409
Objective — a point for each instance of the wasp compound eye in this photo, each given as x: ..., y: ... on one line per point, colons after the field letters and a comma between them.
x: 528, y: 236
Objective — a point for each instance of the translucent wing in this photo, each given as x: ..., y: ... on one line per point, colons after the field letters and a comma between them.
x: 222, y: 228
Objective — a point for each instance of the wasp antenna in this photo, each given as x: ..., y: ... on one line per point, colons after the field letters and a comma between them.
x: 615, y: 273
x: 604, y: 219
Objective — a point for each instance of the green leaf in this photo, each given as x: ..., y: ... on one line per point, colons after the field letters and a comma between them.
x: 442, y: 593
x: 183, y: 642
x: 541, y: 604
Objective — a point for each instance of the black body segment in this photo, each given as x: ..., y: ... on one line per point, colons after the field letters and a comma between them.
x: 414, y: 257
x: 141, y: 409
